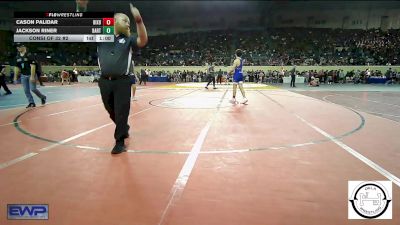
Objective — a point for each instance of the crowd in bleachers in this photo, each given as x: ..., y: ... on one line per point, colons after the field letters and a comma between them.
x: 254, y: 76
x: 290, y: 46
x: 281, y: 46
x: 322, y: 47
x: 276, y: 76
x: 270, y: 47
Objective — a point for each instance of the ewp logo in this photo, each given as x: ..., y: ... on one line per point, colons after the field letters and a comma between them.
x: 27, y: 212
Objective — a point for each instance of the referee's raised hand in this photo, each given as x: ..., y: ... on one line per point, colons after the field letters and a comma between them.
x: 140, y: 28
x: 135, y: 13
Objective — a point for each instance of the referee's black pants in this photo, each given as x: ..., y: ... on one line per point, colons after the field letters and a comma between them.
x: 292, y: 81
x: 116, y: 96
x: 211, y: 79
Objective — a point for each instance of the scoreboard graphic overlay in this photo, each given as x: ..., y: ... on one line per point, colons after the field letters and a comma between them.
x: 63, y: 27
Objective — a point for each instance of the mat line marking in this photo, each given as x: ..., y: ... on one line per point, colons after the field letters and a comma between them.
x: 47, y: 148
x: 16, y: 125
x: 345, y: 147
x: 378, y: 102
x: 65, y: 100
x: 19, y: 159
x: 325, y: 98
x: 384, y: 114
x: 62, y: 112
x: 215, y: 151
x: 31, y: 154
x: 49, y: 103
x: 188, y: 166
x: 356, y: 154
x: 78, y: 109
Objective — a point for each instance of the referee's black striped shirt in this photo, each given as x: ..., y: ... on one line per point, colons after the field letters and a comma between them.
x: 115, y: 58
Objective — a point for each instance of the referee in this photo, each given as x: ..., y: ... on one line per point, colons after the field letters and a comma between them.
x: 115, y: 62
x: 210, y: 75
x: 293, y: 77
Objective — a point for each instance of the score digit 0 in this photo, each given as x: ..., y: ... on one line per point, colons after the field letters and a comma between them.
x: 108, y: 21
x: 108, y: 30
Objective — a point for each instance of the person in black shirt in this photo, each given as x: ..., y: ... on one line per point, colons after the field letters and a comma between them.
x: 115, y: 61
x: 219, y: 77
x: 26, y: 67
x: 293, y: 77
x: 184, y: 74
x: 3, y: 80
x: 210, y: 75
x: 142, y: 76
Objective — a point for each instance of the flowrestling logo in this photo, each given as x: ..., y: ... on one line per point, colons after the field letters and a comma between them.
x: 370, y: 200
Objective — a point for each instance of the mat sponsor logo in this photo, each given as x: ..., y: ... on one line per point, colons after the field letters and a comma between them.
x: 370, y: 200
x: 27, y: 211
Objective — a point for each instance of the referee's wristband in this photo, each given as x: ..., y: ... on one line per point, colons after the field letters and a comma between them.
x: 138, y: 20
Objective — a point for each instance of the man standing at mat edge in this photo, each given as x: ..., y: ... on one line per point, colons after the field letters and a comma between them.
x: 115, y: 62
x: 293, y: 77
x: 210, y: 75
x: 25, y: 66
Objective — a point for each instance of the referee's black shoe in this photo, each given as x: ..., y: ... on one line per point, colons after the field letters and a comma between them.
x: 118, y: 148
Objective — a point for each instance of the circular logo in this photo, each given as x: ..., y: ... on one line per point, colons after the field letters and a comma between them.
x: 370, y: 200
